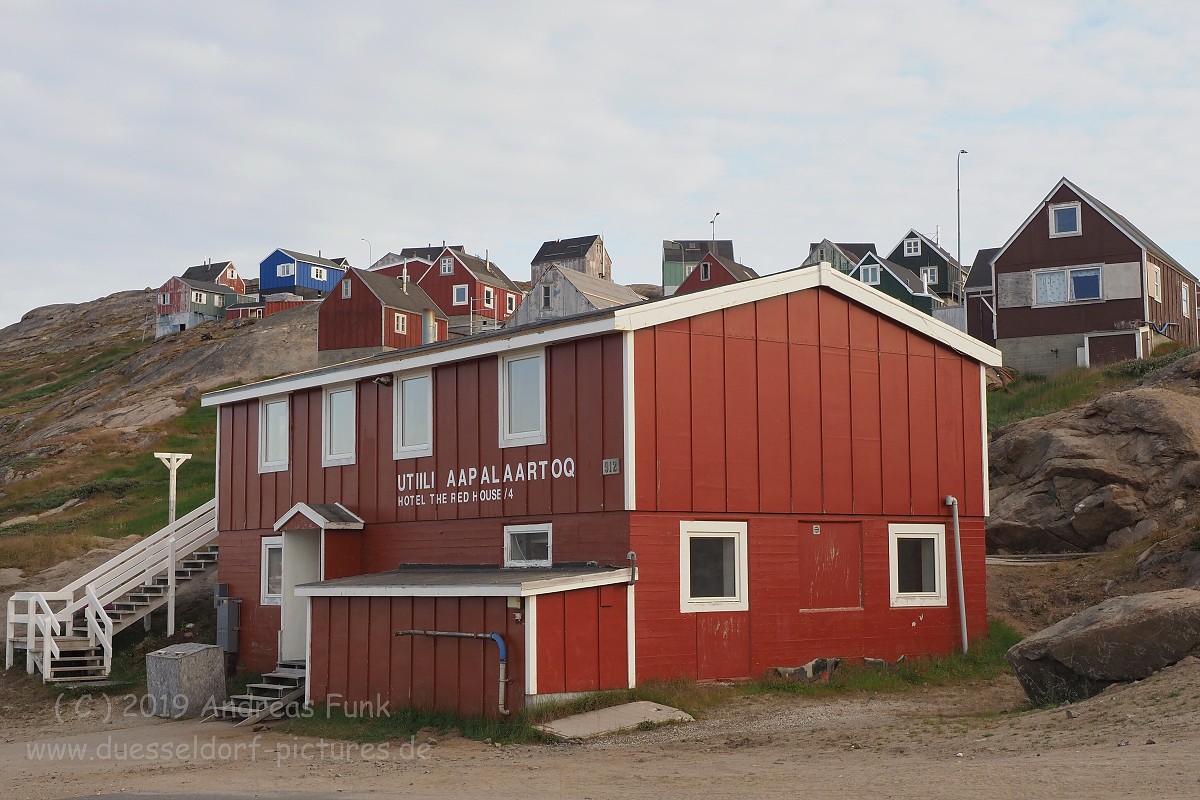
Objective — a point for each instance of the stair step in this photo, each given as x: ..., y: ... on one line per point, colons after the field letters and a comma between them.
x: 251, y: 701
x: 56, y: 669
x: 288, y: 674
x: 294, y: 663
x: 75, y: 678
x: 270, y: 690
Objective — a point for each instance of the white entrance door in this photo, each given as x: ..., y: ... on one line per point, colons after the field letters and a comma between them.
x: 301, y: 564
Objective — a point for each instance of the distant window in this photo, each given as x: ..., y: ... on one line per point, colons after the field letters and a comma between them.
x: 460, y: 295
x: 705, y: 271
x: 199, y: 297
x: 1064, y: 220
x: 273, y: 435
x: 1184, y: 297
x: 285, y: 270
x: 400, y: 324
x: 522, y: 399
x: 271, y: 577
x: 912, y: 247
x: 1055, y: 286
x: 338, y: 427
x: 489, y: 297
x: 319, y: 274
x: 545, y: 296
x: 413, y: 414
x: 929, y: 275
x: 820, y: 254
x: 232, y: 274
x: 712, y: 567
x: 219, y: 300
x: 447, y: 266
x: 528, y: 545
x: 918, y: 564
x: 257, y: 313
x: 346, y: 288
x: 512, y: 303
x: 869, y: 273
x: 1156, y: 282
x: 164, y: 299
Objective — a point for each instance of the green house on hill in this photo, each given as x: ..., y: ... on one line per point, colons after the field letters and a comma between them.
x: 896, y: 281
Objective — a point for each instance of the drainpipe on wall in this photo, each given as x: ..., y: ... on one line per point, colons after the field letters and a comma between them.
x: 495, y: 637
x: 952, y: 501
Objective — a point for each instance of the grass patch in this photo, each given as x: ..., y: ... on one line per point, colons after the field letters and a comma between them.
x: 1034, y: 396
x: 93, y: 365
x: 982, y: 662
x: 33, y: 552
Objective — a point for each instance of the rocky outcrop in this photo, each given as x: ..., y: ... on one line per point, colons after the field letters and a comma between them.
x: 1120, y: 640
x: 1107, y: 474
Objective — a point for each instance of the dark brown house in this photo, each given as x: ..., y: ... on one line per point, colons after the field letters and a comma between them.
x: 1078, y: 284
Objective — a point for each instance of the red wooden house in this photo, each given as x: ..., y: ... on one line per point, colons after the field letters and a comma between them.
x: 474, y: 292
x: 371, y: 312
x: 712, y: 271
x: 707, y: 486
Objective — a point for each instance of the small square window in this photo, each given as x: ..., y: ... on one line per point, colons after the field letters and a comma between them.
x: 929, y: 275
x: 918, y: 564
x: 869, y: 273
x: 522, y: 400
x: 460, y: 295
x: 912, y: 247
x: 447, y: 266
x: 712, y: 567
x: 489, y: 297
x: 512, y: 303
x: 198, y: 297
x: 401, y: 323
x: 164, y: 299
x: 319, y: 274
x: 273, y: 435
x: 413, y: 415
x: 1064, y: 220
x: 219, y: 300
x: 346, y: 288
x: 1085, y: 284
x: 528, y: 545
x: 271, y: 577
x: 338, y: 433
x: 286, y: 270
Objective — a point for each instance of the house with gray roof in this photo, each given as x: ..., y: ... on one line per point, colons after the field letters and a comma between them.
x: 561, y: 292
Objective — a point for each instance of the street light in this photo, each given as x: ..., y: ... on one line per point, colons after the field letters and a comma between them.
x: 370, y: 252
x: 713, y: 222
x: 958, y: 159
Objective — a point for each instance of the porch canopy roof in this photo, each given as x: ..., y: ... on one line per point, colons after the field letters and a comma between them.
x: 466, y: 581
x: 326, y: 516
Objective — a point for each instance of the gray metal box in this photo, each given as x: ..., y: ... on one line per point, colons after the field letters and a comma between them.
x: 229, y: 622
x: 184, y: 679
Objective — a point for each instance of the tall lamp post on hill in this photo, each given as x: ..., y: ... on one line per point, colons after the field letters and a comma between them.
x: 958, y: 159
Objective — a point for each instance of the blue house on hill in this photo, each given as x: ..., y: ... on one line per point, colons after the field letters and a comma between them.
x: 311, y: 277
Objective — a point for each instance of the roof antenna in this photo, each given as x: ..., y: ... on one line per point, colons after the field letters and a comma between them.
x: 404, y: 278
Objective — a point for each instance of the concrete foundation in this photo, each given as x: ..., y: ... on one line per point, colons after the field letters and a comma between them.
x: 184, y: 680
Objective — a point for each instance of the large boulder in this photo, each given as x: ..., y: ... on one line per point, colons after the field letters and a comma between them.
x: 1068, y: 481
x: 1122, y: 639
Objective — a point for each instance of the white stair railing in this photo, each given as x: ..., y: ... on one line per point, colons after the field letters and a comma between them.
x: 157, y: 555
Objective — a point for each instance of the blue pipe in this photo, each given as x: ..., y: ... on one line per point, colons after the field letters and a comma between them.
x: 495, y: 637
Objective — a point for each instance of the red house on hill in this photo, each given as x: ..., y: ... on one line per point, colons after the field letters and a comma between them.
x: 706, y: 486
x: 475, y: 293
x: 370, y: 312
x: 712, y: 271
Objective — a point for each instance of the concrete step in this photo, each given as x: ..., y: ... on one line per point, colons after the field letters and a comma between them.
x: 287, y: 675
x: 272, y: 691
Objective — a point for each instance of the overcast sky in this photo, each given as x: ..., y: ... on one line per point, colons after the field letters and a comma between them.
x: 139, y: 138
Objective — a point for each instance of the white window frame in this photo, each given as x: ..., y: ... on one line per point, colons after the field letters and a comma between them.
x: 863, y: 272
x: 533, y: 437
x: 319, y: 274
x: 1156, y: 282
x: 547, y: 294
x: 285, y: 270
x: 399, y: 449
x: 341, y: 459
x: 233, y: 276
x: 446, y: 267
x: 263, y: 464
x: 489, y: 297
x: 1054, y: 232
x: 199, y: 297
x: 400, y: 323
x: 269, y: 543
x: 466, y: 295
x: 912, y: 247
x: 164, y: 299
x: 511, y: 303
x: 932, y: 273
x: 705, y: 271
x: 219, y: 300
x: 347, y: 288
x: 509, y: 530
x: 1185, y: 291
x: 694, y: 529
x: 256, y: 313
x: 897, y: 532
x: 1070, y: 286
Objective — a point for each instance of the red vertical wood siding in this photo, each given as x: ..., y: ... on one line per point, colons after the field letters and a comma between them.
x: 424, y: 672
x: 582, y: 642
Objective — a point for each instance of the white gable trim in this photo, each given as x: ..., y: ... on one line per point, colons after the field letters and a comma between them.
x: 324, y: 524
x: 631, y: 318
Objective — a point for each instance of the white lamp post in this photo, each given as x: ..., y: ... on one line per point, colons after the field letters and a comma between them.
x: 172, y: 462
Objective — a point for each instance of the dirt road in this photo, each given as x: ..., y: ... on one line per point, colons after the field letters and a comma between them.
x: 960, y: 742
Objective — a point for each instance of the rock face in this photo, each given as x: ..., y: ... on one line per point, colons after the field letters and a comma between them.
x: 1119, y: 640
x: 1106, y: 474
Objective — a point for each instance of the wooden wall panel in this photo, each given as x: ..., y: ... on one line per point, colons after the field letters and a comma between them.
x: 613, y: 420
x: 837, y: 472
x: 587, y: 368
x: 708, y: 421
x: 867, y: 422
x: 673, y: 402
x: 774, y: 417
x: 582, y: 627
x: 741, y: 422
x: 922, y: 426
x: 646, y: 418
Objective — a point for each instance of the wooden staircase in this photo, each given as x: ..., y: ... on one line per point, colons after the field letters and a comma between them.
x: 279, y: 695
x: 67, y: 635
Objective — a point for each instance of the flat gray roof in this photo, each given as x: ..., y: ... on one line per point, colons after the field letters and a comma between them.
x: 466, y: 581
